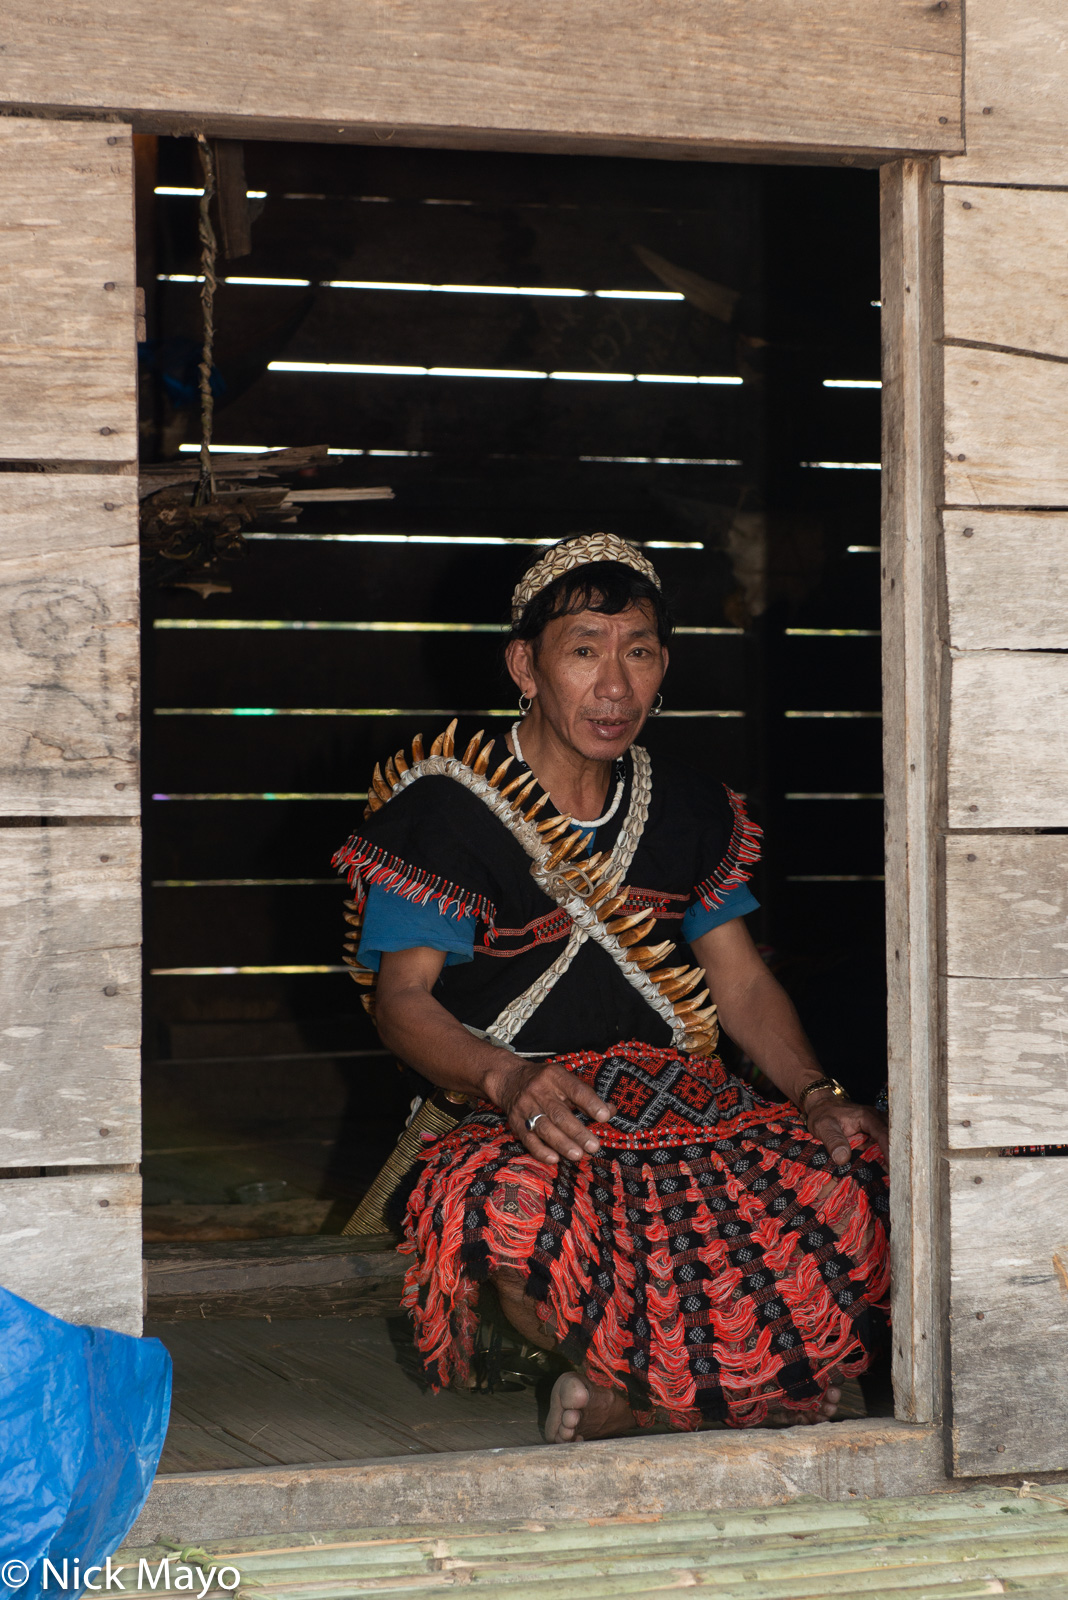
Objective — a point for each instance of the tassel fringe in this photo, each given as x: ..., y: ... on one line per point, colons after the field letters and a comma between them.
x: 742, y: 851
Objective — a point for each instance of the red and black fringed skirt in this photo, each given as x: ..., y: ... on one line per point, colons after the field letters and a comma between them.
x: 711, y: 1262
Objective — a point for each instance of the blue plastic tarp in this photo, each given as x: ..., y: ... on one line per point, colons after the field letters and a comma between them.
x: 83, y: 1415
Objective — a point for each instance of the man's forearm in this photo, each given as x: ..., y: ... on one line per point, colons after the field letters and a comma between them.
x: 760, y: 1017
x: 423, y: 1034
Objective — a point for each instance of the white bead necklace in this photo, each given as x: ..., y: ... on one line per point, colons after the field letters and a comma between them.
x: 596, y: 822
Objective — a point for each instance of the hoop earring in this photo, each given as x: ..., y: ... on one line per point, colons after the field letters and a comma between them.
x: 523, y: 709
x: 656, y: 710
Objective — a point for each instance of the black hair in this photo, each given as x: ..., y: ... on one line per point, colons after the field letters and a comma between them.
x: 605, y: 586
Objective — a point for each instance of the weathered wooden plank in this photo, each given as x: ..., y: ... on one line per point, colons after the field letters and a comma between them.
x: 69, y: 680
x: 989, y: 235
x: 1016, y: 79
x: 911, y: 699
x: 1007, y: 579
x: 1007, y: 1045
x: 73, y: 1246
x: 67, y: 350
x: 1006, y: 443
x: 1009, y: 1314
x: 711, y: 73
x: 1007, y: 906
x: 1008, y: 741
x: 850, y: 1462
x: 270, y: 1278
x: 45, y: 513
x: 70, y: 975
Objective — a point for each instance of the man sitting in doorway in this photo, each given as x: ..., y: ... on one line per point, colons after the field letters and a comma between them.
x: 697, y: 1252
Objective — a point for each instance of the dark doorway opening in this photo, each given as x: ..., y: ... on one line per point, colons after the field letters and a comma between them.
x: 269, y: 698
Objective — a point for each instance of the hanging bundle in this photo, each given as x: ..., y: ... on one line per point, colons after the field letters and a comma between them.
x: 191, y: 524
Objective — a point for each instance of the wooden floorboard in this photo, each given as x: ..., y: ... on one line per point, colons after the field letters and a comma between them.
x: 285, y: 1393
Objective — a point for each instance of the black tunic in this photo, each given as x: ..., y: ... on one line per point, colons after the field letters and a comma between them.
x: 436, y: 841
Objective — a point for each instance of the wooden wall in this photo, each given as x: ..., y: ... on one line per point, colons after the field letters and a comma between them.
x: 1005, y: 629
x: 977, y: 529
x: 69, y: 835
x: 793, y: 74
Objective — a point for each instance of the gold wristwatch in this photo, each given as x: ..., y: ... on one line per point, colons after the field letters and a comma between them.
x: 821, y: 1083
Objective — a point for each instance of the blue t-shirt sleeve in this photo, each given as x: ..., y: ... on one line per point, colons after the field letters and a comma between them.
x: 700, y: 919
x: 390, y: 922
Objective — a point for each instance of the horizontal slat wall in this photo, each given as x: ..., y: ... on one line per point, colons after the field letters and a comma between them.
x: 72, y: 1245
x: 569, y: 418
x: 503, y: 460
x: 439, y: 73
x: 1009, y: 1314
x: 298, y: 668
x: 69, y: 845
x: 1007, y: 930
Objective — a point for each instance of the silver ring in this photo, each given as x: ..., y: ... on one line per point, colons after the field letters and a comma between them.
x: 532, y: 1120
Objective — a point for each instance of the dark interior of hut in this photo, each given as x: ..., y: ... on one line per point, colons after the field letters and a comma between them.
x: 508, y: 348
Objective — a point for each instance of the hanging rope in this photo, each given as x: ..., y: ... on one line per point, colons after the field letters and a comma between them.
x: 205, y: 491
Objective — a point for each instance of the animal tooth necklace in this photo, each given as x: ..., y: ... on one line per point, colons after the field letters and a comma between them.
x: 595, y: 822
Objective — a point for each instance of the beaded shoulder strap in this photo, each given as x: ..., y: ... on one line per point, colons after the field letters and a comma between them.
x: 589, y: 888
x: 518, y: 1012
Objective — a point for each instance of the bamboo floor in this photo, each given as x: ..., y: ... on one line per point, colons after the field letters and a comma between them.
x: 960, y: 1544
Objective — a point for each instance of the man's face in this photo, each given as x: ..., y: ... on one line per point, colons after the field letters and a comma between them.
x: 594, y: 677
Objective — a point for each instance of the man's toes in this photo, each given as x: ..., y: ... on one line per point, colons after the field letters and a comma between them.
x: 570, y: 1397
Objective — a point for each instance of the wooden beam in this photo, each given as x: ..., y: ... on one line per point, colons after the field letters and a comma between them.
x: 1007, y: 579
x: 1009, y: 1311
x: 72, y: 1246
x: 235, y: 221
x: 70, y: 981
x: 1016, y: 80
x: 1008, y: 741
x: 68, y: 367
x: 311, y: 1277
x: 796, y: 74
x: 611, y: 1477
x: 912, y: 675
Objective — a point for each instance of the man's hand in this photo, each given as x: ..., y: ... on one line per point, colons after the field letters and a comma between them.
x: 834, y: 1122
x: 523, y: 1089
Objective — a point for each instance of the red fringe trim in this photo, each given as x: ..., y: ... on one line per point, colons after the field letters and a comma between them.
x: 442, y: 1294
x: 366, y: 864
x: 742, y: 850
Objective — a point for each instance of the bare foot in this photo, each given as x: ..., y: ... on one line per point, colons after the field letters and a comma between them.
x: 577, y: 1403
x: 827, y: 1409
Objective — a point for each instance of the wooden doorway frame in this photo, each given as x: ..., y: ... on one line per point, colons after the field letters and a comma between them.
x: 862, y: 1459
